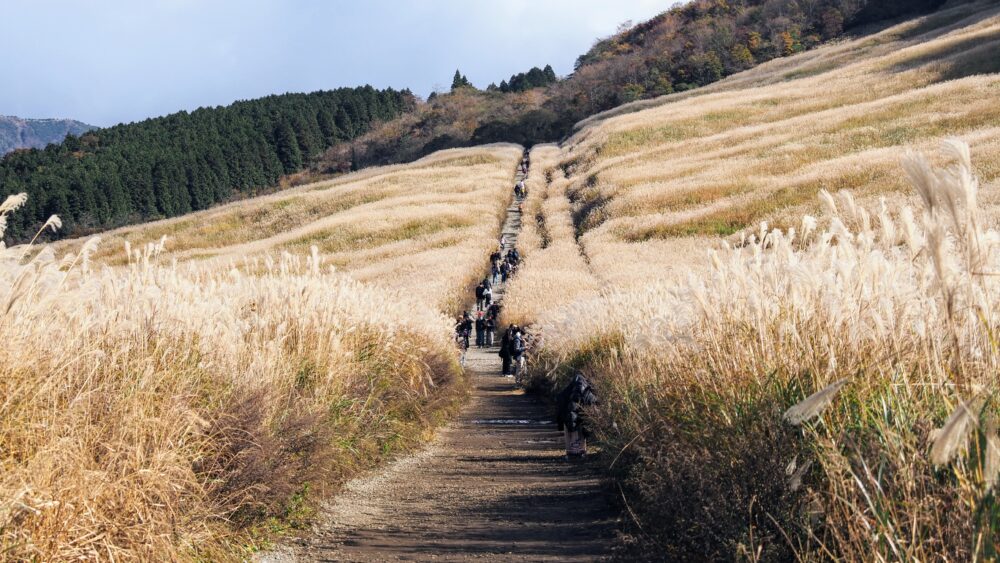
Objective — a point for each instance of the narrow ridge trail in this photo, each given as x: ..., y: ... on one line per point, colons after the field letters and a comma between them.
x: 492, y: 486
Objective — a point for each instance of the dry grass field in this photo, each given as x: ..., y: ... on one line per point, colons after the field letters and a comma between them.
x: 182, y: 397
x: 774, y: 240
x: 424, y: 228
x: 784, y: 286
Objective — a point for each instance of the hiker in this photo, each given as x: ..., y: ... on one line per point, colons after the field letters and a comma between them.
x: 487, y: 297
x: 480, y: 331
x: 494, y: 310
x: 505, y: 355
x: 491, y: 328
x: 495, y: 271
x: 517, y: 190
x: 517, y: 351
x: 462, y: 330
x: 479, y: 296
x: 504, y: 271
x: 570, y: 403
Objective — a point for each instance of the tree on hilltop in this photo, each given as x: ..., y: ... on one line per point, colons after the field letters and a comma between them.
x: 460, y: 81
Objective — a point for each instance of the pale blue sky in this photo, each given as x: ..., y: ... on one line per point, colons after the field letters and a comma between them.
x: 108, y: 61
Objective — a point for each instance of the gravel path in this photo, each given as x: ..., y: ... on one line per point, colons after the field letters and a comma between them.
x: 493, y: 486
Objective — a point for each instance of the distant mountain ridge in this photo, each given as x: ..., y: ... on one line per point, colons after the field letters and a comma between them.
x: 19, y: 133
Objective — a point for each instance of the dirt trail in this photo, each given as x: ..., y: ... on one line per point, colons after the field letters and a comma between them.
x: 492, y: 486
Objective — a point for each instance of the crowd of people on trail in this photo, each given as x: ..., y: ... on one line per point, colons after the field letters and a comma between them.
x: 512, y: 345
x: 486, y: 320
x: 512, y: 349
x: 503, y: 268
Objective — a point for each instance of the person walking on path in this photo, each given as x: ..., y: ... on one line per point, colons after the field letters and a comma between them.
x: 480, y: 331
x: 487, y: 297
x: 479, y: 296
x: 504, y: 271
x: 517, y: 349
x: 505, y: 351
x: 494, y: 311
x: 463, y: 328
x: 570, y: 404
x: 491, y: 328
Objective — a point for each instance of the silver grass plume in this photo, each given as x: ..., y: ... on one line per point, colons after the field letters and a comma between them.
x: 88, y: 248
x: 950, y: 437
x: 813, y: 405
x: 922, y: 178
x: 828, y: 202
x: 54, y: 223
x: 12, y: 202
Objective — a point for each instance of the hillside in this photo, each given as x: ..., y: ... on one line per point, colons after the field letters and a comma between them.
x: 17, y: 133
x: 713, y: 257
x: 233, y: 366
x: 687, y: 46
x: 186, y: 161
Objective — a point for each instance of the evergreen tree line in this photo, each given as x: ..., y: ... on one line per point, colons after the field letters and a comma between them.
x: 185, y: 161
x: 524, y: 81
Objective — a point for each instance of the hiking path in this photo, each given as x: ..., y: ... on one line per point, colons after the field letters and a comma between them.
x: 492, y: 486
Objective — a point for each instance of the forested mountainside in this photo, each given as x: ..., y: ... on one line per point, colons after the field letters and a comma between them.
x: 687, y: 46
x: 19, y: 133
x: 185, y: 161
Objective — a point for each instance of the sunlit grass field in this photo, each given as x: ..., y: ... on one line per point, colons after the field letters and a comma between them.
x: 793, y: 236
x: 183, y: 389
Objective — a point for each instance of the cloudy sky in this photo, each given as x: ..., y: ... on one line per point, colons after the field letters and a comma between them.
x: 110, y: 61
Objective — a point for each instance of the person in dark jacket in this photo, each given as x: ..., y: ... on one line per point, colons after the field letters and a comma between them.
x: 504, y: 271
x: 571, y: 403
x: 491, y: 328
x: 480, y: 330
x: 517, y: 348
x: 479, y: 297
x: 506, y: 343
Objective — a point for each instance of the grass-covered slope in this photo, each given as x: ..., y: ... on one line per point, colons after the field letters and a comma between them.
x: 179, y: 398
x: 726, y: 285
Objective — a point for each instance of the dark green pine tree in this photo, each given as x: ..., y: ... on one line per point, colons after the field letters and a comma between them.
x: 287, y: 147
x: 550, y: 75
x: 460, y: 81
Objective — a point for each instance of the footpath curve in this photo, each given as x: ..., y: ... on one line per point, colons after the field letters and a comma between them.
x: 492, y: 486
